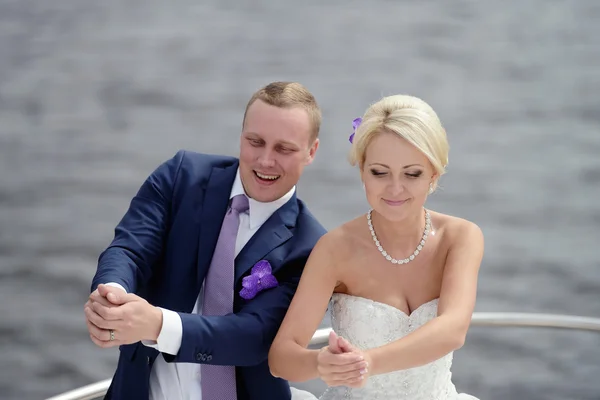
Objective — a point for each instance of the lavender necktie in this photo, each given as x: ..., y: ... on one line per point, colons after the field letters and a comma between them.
x: 218, y: 381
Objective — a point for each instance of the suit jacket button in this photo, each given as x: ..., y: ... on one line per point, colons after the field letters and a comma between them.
x: 203, y: 357
x: 208, y: 358
x: 199, y: 357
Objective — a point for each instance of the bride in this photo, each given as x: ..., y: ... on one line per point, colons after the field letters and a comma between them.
x: 401, y: 279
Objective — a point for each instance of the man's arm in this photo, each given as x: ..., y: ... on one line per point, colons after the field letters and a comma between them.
x: 243, y: 338
x: 140, y: 234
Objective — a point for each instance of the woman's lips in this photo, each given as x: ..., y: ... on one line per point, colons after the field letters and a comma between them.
x: 394, y: 203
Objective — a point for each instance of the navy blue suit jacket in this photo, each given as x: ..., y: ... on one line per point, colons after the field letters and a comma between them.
x: 162, y: 250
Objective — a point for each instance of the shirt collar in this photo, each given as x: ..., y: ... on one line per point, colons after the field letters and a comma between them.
x: 259, y: 212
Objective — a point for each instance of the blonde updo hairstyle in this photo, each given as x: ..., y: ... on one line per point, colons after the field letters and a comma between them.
x: 411, y: 119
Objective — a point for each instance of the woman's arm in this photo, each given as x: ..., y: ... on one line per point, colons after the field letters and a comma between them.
x: 448, y: 330
x: 289, y: 357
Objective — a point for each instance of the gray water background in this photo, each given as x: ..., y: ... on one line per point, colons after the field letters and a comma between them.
x: 95, y: 94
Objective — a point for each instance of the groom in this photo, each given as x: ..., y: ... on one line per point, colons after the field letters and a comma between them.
x: 206, y: 260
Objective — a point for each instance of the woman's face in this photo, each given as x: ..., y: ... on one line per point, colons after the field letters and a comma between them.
x: 396, y: 176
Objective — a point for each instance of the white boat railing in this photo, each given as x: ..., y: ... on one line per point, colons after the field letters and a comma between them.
x: 97, y: 390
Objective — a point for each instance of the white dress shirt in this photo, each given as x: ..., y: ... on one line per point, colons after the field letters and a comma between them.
x: 181, y: 381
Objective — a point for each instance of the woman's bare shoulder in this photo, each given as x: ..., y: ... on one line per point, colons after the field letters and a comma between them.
x: 454, y: 229
x: 343, y: 237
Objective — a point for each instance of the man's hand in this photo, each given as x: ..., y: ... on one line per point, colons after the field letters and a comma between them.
x: 103, y: 295
x: 341, y: 364
x: 99, y: 296
x: 115, y: 318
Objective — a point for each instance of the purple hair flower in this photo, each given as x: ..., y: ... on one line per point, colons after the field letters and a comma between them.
x: 260, y: 279
x: 355, y: 124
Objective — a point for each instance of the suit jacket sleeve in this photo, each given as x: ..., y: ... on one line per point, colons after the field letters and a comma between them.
x: 243, y: 338
x: 140, y: 235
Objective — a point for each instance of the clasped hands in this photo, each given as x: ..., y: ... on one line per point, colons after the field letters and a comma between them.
x: 341, y: 364
x: 115, y: 318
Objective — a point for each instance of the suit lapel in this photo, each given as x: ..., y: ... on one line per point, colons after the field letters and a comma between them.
x: 216, y: 201
x: 272, y: 234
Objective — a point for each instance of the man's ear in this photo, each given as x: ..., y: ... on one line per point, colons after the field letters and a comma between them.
x: 312, y: 151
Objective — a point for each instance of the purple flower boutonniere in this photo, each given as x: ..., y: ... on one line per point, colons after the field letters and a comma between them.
x: 261, y: 278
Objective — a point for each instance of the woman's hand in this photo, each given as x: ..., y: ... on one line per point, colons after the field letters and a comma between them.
x: 341, y: 364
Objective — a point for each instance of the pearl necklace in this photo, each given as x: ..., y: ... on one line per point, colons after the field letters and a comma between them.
x: 414, y: 254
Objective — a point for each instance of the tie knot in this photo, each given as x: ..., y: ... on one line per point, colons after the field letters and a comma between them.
x: 240, y: 203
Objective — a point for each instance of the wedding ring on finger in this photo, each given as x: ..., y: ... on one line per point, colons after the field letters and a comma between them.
x: 112, y: 335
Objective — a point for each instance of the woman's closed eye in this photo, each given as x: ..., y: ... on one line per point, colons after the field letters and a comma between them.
x: 374, y: 172
x: 414, y: 174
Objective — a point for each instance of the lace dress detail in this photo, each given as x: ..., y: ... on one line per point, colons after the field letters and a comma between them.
x: 367, y: 324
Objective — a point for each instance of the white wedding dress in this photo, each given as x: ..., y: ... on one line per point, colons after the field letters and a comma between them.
x: 366, y: 324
